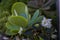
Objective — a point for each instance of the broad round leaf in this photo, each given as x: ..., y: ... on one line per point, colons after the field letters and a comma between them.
x: 19, y: 9
x: 8, y: 32
x: 12, y: 27
x: 18, y: 21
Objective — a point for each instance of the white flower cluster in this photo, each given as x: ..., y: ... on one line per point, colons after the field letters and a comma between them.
x: 46, y: 22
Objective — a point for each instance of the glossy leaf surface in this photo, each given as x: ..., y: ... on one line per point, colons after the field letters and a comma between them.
x: 20, y: 9
x: 18, y: 21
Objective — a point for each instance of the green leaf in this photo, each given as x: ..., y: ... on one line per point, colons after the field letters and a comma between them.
x: 41, y: 38
x: 19, y: 9
x: 36, y: 38
x: 13, y: 30
x: 8, y: 32
x: 34, y: 18
x: 12, y: 27
x: 18, y: 21
x: 39, y: 19
x: 36, y: 25
x: 4, y: 4
x: 24, y: 15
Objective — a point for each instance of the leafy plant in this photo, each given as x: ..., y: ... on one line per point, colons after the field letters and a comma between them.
x: 16, y: 19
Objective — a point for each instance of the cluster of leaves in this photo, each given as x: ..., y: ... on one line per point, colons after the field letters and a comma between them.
x: 18, y: 16
x: 5, y: 11
x: 21, y: 18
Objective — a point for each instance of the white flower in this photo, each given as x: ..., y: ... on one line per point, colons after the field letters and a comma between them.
x: 53, y: 36
x: 46, y: 23
x: 20, y: 31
